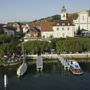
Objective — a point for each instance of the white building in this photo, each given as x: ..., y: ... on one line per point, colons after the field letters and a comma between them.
x: 25, y: 28
x: 67, y: 26
x: 9, y: 31
x: 61, y: 28
x: 83, y: 21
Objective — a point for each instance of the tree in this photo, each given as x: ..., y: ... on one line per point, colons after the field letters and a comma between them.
x: 4, y: 39
x: 1, y: 30
x: 56, y: 17
x: 79, y: 31
x: 36, y: 46
x: 8, y: 48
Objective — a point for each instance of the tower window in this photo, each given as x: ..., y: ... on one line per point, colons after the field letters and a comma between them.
x: 58, y: 24
x: 64, y: 15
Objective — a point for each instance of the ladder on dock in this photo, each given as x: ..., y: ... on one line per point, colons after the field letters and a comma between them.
x: 64, y: 62
x: 39, y: 64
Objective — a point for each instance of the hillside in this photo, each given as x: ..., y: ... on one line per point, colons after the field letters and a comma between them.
x: 55, y: 17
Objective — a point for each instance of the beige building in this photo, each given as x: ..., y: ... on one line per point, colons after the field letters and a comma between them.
x: 82, y: 21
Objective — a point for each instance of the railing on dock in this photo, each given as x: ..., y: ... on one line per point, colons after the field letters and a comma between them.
x: 64, y: 62
x: 39, y: 64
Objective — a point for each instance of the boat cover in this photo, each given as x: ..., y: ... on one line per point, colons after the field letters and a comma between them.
x: 74, y: 66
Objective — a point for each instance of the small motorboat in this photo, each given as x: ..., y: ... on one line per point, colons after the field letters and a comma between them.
x: 75, y: 67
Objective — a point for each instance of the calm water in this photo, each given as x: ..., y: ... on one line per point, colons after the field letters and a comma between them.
x: 53, y: 77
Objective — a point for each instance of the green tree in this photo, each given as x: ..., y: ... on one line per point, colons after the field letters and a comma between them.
x: 1, y: 30
x: 4, y: 39
x: 8, y: 48
x: 79, y: 31
x: 36, y: 46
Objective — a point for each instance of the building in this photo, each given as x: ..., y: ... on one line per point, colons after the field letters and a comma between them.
x: 10, y: 31
x: 85, y: 33
x: 59, y: 29
x: 82, y: 21
x: 67, y: 26
x: 17, y: 27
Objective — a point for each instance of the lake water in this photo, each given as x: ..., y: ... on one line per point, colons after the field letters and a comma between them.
x: 53, y: 77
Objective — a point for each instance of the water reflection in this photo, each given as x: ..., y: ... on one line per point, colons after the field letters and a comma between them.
x: 53, y: 77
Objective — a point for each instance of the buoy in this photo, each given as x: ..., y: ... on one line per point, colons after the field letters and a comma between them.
x: 5, y: 80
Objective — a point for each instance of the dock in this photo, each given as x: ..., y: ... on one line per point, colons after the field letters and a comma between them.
x: 64, y: 62
x: 39, y: 64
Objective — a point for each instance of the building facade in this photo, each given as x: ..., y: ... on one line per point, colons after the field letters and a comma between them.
x: 67, y: 26
x: 82, y: 21
x: 61, y: 28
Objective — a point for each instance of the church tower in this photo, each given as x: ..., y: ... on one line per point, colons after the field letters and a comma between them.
x: 63, y: 13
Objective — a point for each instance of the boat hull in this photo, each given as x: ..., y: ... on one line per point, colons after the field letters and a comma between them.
x: 76, y: 71
x: 22, y: 69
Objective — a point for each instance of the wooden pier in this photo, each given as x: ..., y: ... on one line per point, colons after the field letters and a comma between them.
x: 39, y: 64
x: 64, y: 62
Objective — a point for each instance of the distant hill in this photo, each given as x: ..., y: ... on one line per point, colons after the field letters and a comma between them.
x: 54, y: 17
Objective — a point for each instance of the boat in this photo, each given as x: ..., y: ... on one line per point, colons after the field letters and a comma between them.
x: 75, y: 67
x: 22, y: 69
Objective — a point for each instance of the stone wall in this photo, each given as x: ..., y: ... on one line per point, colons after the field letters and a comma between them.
x: 55, y: 56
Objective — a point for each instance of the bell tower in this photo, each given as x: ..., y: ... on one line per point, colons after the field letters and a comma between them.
x: 63, y: 13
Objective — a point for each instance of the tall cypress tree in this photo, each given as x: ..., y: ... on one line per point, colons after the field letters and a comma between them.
x: 79, y: 31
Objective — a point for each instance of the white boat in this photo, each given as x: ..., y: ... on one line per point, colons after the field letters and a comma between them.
x: 75, y: 67
x: 22, y: 69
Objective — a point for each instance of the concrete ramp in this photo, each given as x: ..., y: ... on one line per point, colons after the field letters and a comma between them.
x: 39, y: 63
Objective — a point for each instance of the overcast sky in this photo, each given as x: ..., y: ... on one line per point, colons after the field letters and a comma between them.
x: 28, y: 10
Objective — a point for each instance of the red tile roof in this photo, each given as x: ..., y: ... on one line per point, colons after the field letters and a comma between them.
x: 45, y: 26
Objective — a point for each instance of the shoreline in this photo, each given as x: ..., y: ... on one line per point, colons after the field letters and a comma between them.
x: 55, y: 56
x: 31, y: 59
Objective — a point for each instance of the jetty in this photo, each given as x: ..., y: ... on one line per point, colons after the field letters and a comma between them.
x: 64, y: 62
x: 39, y: 63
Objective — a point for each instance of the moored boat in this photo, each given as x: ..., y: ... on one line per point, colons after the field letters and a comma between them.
x: 22, y: 69
x: 75, y: 67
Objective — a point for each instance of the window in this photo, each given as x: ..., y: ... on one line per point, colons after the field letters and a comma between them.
x: 68, y: 24
x: 64, y: 15
x: 57, y: 34
x: 68, y: 28
x: 83, y: 18
x: 62, y: 28
x: 58, y: 24
x: 63, y: 35
x: 63, y: 24
x: 57, y: 28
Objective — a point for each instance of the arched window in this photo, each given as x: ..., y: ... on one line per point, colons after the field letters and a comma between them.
x: 63, y: 15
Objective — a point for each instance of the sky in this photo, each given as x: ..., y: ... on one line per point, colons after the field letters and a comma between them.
x: 28, y: 10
